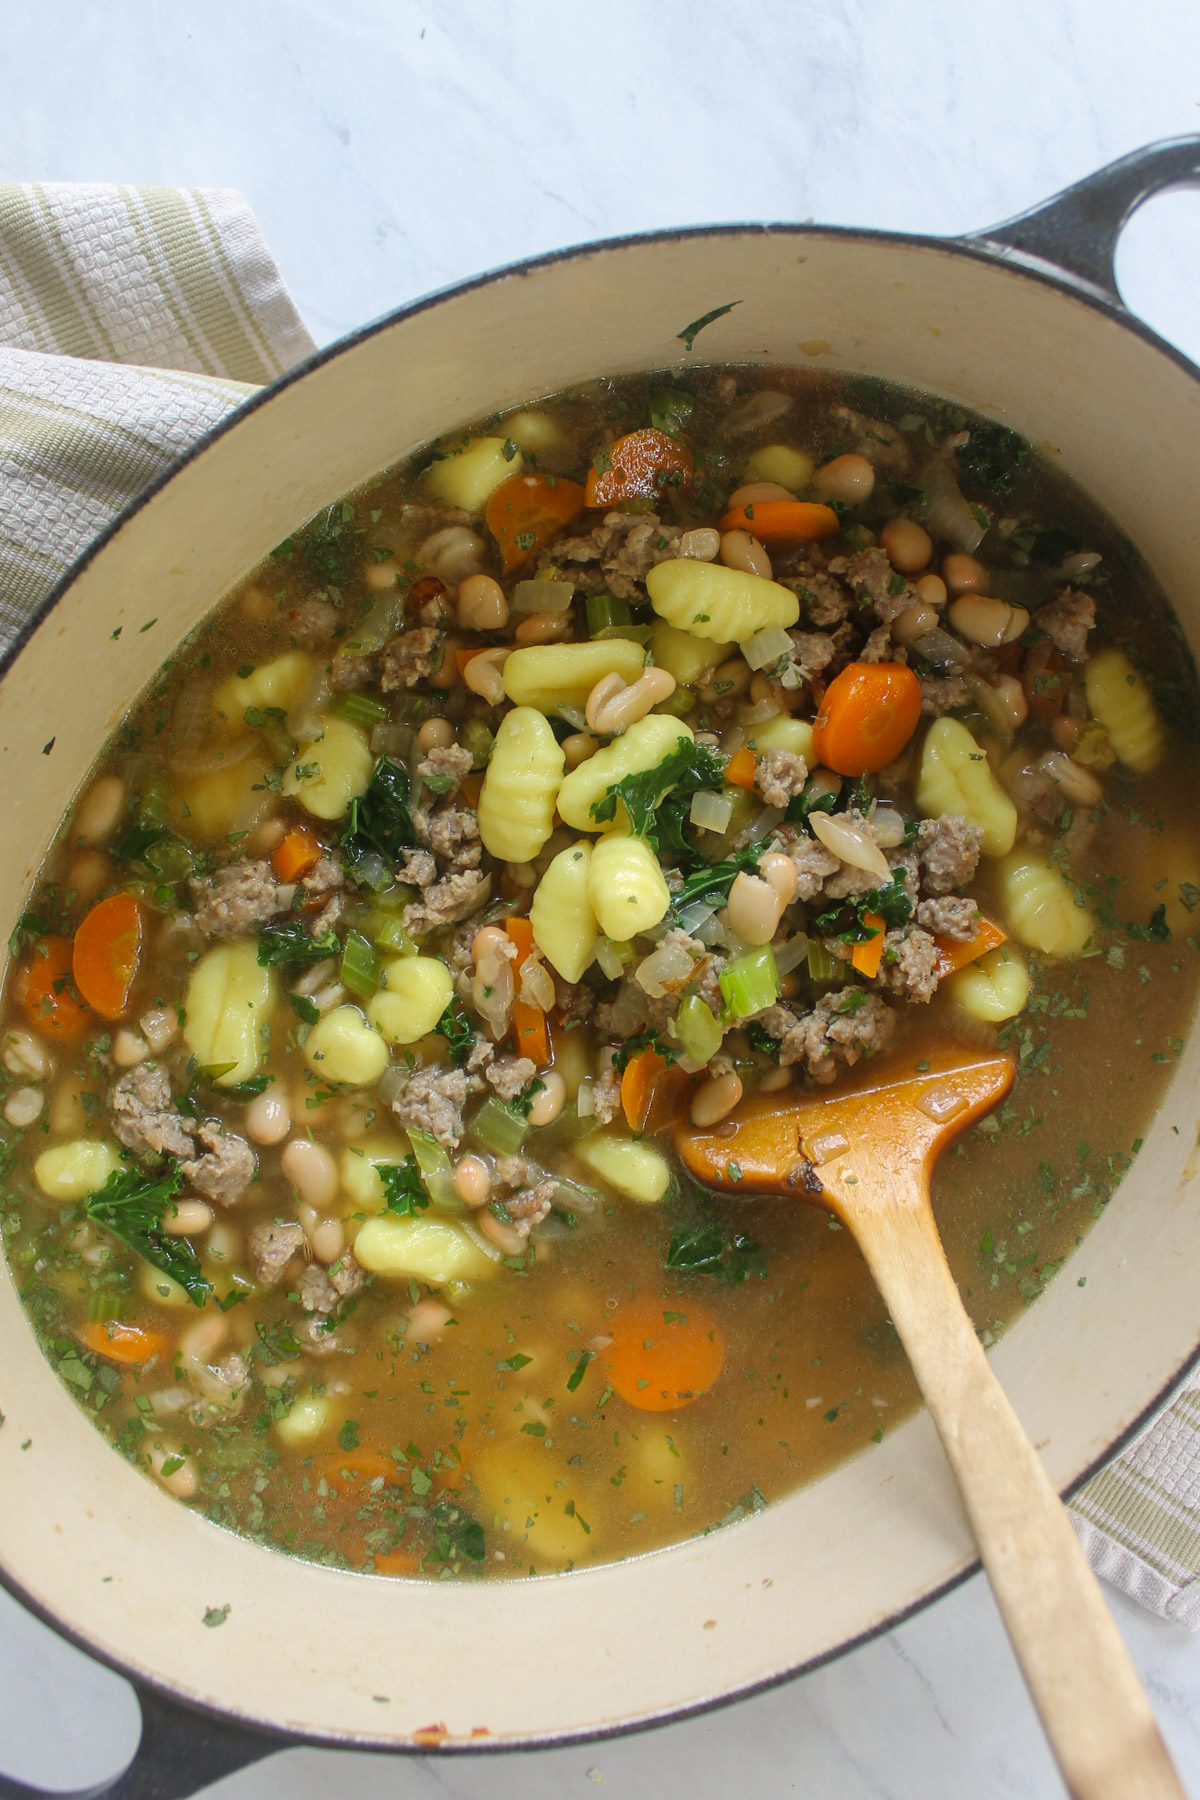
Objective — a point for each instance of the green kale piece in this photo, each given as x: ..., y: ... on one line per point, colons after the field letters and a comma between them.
x: 291, y: 942
x: 131, y: 1205
x: 657, y: 800
x: 379, y: 822
x: 993, y: 455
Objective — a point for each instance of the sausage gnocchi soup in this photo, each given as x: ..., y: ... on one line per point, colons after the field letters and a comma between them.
x: 670, y: 739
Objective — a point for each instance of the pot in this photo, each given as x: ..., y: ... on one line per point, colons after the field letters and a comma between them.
x: 1023, y: 322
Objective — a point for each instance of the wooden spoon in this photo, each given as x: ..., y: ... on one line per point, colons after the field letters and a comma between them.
x: 866, y: 1151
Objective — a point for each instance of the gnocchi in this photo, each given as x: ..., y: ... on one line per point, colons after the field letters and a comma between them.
x: 625, y: 886
x: 520, y: 789
x: 564, y: 925
x: 784, y: 733
x: 1119, y: 699
x: 224, y: 799
x: 1041, y: 907
x: 431, y: 1249
x: 684, y: 655
x: 642, y: 746
x: 994, y: 988
x: 310, y: 1417
x: 711, y: 601
x: 468, y: 476
x: 343, y: 1047
x: 228, y: 1001
x: 415, y: 992
x: 331, y: 771
x: 956, y: 777
x: 69, y: 1171
x: 278, y: 683
x: 552, y: 675
x: 634, y: 1169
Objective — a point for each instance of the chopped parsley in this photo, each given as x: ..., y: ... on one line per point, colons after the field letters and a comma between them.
x: 690, y: 333
x: 291, y: 942
x: 459, y: 1033
x: 727, y: 1254
x: 643, y: 1040
x: 403, y: 1189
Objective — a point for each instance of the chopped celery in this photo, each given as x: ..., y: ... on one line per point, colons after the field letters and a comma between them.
x: 437, y: 1171
x: 640, y: 634
x: 390, y: 935
x: 750, y: 983
x: 697, y: 1032
x: 498, y: 1128
x: 613, y: 957
x: 395, y: 897
x: 360, y: 709
x: 822, y: 966
x: 360, y: 966
x: 476, y: 738
x: 678, y: 704
x: 604, y: 611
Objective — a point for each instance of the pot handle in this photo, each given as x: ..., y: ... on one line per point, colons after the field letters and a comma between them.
x: 181, y: 1751
x: 1075, y: 233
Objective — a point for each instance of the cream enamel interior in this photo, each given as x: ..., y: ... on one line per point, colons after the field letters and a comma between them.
x: 130, y: 1571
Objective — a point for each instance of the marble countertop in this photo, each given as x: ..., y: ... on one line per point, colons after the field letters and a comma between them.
x: 393, y: 146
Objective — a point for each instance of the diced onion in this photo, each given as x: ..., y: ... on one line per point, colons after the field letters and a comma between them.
x: 711, y: 811
x: 585, y: 1099
x: 612, y: 958
x: 946, y: 512
x: 766, y: 646
x: 537, y: 983
x: 480, y: 1242
x: 765, y: 823
x: 709, y: 931
x: 663, y: 969
x: 888, y: 826
x: 542, y: 596
x: 306, y: 720
x: 759, y: 713
x: 391, y: 1083
x: 791, y: 954
x: 437, y: 1171
x: 760, y: 409
x: 689, y: 918
x: 942, y: 651
x: 851, y: 843
x: 574, y: 716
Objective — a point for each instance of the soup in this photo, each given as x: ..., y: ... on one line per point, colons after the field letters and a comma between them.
x: 608, y: 761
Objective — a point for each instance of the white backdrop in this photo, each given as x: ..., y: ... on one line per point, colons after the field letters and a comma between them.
x: 392, y: 146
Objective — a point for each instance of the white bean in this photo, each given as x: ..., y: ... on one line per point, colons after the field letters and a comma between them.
x: 847, y: 479
x: 505, y: 1237
x: 189, y: 1216
x: 612, y: 707
x: 483, y: 674
x: 23, y: 1106
x: 159, y: 1026
x: 311, y: 1170
x: 481, y: 604
x: 268, y: 1118
x: 436, y: 734
x: 99, y: 812
x: 909, y: 545
x: 183, y: 1480
x: 472, y: 1180
x: 962, y: 574
x: 328, y: 1240
x: 128, y: 1049
x: 987, y: 621
x: 25, y: 1054
x: 88, y: 873
x: 426, y: 1319
x: 715, y: 1099
x: 452, y: 554
x: 224, y: 1242
x: 702, y: 543
x: 548, y: 1102
x: 913, y: 623
x: 752, y: 491
x: 1076, y: 782
x: 755, y: 908
x: 741, y: 550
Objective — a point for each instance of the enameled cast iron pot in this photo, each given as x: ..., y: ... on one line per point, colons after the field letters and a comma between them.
x: 1023, y: 322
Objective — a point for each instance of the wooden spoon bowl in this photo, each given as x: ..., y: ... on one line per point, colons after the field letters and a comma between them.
x: 866, y: 1150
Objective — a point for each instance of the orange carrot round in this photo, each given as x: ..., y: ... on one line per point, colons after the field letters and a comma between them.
x: 783, y: 521
x: 356, y: 1468
x: 664, y: 1355
x: 526, y: 511
x: 44, y: 993
x: 641, y: 464
x: 108, y: 948
x: 120, y: 1343
x: 867, y: 716
x: 741, y: 769
x: 654, y: 1094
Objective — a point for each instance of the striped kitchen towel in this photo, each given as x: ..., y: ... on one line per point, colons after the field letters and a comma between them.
x: 132, y: 319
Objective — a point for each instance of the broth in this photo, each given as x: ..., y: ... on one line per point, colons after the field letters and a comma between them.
x: 597, y: 1360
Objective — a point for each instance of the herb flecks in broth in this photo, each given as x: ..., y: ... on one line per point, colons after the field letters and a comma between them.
x: 660, y: 742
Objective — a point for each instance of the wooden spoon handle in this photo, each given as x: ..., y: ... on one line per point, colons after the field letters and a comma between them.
x: 1092, y: 1704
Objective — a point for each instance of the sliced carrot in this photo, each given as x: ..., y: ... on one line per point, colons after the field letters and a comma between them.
x: 463, y: 657
x: 43, y: 991
x: 472, y: 787
x: 664, y: 1355
x: 643, y: 463
x: 526, y: 511
x: 654, y: 1093
x: 954, y: 954
x: 355, y: 1468
x: 529, y: 1021
x: 741, y: 768
x: 865, y: 957
x: 783, y: 521
x: 396, y: 1562
x: 124, y: 1343
x: 867, y: 716
x: 296, y: 854
x: 106, y: 954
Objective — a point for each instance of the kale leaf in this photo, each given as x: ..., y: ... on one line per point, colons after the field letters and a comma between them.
x: 690, y: 333
x: 403, y: 1189
x: 379, y: 822
x: 669, y: 409
x: 707, y: 1248
x: 459, y: 1033
x: 131, y: 1205
x: 1054, y: 547
x: 712, y: 881
x: 291, y: 942
x: 760, y: 1039
x: 993, y: 455
x: 891, y: 903
x: 657, y: 799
